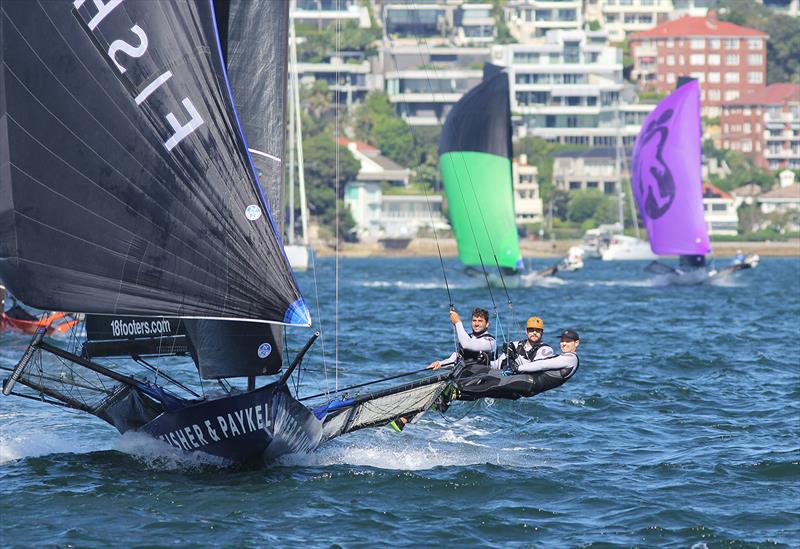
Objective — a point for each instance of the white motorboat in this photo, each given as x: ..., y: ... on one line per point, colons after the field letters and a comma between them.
x: 624, y: 247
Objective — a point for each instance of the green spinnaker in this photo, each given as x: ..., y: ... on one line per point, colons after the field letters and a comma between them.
x: 481, y: 204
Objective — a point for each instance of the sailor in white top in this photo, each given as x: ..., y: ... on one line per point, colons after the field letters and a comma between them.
x: 477, y: 347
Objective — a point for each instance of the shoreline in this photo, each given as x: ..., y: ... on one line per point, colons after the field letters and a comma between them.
x: 427, y: 247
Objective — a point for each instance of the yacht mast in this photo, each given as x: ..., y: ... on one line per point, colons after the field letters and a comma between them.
x: 298, y: 131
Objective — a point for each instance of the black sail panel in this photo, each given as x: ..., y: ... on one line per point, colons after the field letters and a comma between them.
x: 255, y: 40
x: 233, y: 349
x: 481, y: 120
x: 125, y: 184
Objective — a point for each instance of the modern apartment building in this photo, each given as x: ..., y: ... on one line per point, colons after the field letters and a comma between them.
x: 474, y: 25
x: 765, y: 125
x: 729, y: 61
x: 622, y: 17
x: 322, y: 13
x: 531, y: 19
x: 569, y: 89
x: 348, y: 74
x: 528, y: 206
x: 592, y: 169
x: 424, y: 82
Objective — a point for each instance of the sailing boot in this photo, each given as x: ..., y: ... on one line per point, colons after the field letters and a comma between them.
x: 399, y: 424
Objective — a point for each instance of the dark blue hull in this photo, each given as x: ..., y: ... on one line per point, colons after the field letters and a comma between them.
x: 255, y: 425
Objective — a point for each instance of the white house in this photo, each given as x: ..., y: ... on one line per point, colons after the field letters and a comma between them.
x: 720, y: 211
x: 785, y: 198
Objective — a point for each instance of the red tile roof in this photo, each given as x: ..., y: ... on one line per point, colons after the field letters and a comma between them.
x: 696, y: 26
x: 361, y: 146
x: 710, y: 191
x: 774, y: 94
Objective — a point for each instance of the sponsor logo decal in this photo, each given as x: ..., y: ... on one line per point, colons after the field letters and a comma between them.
x: 252, y: 212
x: 264, y: 350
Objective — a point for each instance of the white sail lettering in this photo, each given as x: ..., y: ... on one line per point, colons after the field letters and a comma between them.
x: 175, y: 442
x: 182, y: 131
x: 124, y: 47
x: 102, y: 10
x: 211, y: 432
x: 152, y: 86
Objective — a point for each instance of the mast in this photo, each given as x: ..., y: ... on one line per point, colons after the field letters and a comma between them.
x: 291, y: 162
x: 298, y: 132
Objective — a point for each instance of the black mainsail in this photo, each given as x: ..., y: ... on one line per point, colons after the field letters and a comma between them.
x: 128, y: 191
x: 125, y: 183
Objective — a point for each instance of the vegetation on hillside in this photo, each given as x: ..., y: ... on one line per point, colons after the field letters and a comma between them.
x: 783, y: 45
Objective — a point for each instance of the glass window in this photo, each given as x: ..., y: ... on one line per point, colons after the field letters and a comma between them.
x: 730, y: 95
x: 670, y: 60
x: 574, y: 185
x: 713, y: 95
x: 714, y: 77
x: 713, y: 59
x: 697, y: 59
x: 754, y: 59
x: 732, y: 77
x: 697, y: 43
x: 719, y: 207
x: 670, y: 78
x: 732, y: 59
x: 754, y: 43
x: 755, y: 78
x: 732, y: 43
x: 714, y: 43
x: 670, y: 42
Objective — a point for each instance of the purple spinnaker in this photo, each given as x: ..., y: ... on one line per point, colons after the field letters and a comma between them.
x: 666, y: 176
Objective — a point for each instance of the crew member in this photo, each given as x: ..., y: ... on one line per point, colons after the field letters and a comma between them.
x: 531, y: 379
x: 525, y: 351
x: 477, y: 348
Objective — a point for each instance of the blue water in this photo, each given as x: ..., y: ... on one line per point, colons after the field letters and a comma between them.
x: 679, y: 430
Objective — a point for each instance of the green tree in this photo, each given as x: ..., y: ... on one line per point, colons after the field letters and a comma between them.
x: 320, y: 172
x: 582, y: 205
x: 346, y: 221
x: 783, y: 45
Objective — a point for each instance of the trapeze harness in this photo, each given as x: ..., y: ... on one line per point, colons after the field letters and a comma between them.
x: 519, y: 351
x: 494, y: 385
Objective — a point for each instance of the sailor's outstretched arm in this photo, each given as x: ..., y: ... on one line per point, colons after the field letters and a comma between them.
x: 474, y: 343
x: 449, y: 361
x: 567, y: 360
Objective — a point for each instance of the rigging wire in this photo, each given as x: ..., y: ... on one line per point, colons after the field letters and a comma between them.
x: 474, y: 236
x: 336, y: 197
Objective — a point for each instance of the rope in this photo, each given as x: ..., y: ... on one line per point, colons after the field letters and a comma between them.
x: 472, y: 229
x: 336, y: 202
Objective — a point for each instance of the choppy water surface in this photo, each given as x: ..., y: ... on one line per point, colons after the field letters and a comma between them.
x: 679, y: 430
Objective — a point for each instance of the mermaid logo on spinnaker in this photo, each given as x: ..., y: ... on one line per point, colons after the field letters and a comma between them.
x: 653, y: 179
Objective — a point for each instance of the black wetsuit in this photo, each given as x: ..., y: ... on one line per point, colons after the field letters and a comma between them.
x: 549, y: 373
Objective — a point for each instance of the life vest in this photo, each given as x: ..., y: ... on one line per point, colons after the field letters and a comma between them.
x: 476, y: 357
x: 519, y: 347
x: 550, y: 379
